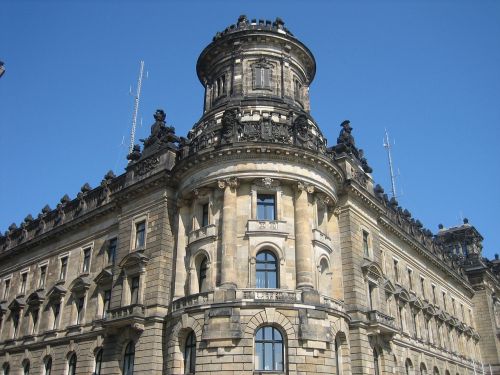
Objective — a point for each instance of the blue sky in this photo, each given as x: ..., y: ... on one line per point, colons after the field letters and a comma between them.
x: 428, y: 71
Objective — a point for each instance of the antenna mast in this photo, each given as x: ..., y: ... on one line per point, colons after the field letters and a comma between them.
x: 136, y: 108
x: 388, y: 147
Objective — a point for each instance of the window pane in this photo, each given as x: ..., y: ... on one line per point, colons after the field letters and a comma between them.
x: 266, y: 207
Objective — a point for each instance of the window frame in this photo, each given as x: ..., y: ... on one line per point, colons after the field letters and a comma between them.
x: 266, y: 271
x: 273, y: 342
x: 98, y: 362
x: 86, y: 260
x: 134, y: 289
x: 111, y: 255
x: 265, y: 206
x: 189, y: 351
x: 80, y: 309
x: 63, y: 266
x: 260, y: 71
x: 42, y: 277
x: 23, y: 286
x: 72, y: 362
x: 137, y: 222
x: 47, y: 366
x: 7, y: 283
x: 129, y: 359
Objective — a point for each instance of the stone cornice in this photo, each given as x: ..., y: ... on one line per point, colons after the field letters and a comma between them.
x: 385, y: 222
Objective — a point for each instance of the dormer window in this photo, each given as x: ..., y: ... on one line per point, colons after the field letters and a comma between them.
x: 262, y: 76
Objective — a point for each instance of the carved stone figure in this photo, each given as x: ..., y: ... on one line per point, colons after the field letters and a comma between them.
x: 229, y: 120
x: 301, y: 127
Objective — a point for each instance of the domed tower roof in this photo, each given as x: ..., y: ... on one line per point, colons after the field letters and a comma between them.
x: 256, y: 76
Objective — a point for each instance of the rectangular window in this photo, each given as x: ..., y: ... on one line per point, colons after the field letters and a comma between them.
x: 64, y: 268
x: 434, y: 294
x: 56, y: 309
x: 444, y: 301
x: 106, y: 302
x: 111, y: 251
x: 80, y: 303
x: 453, y: 307
x: 422, y: 286
x: 262, y: 77
x: 24, y: 281
x: 43, y: 274
x: 34, y: 317
x: 204, y: 215
x: 462, y: 310
x: 134, y: 290
x: 366, y: 249
x: 415, y: 332
x: 297, y: 90
x: 266, y: 207
x: 6, y: 289
x: 140, y: 234
x: 370, y: 295
x: 15, y: 323
x: 410, y: 278
x: 86, y: 260
x: 396, y: 271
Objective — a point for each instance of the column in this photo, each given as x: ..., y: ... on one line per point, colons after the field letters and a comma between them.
x: 180, y: 268
x: 228, y: 271
x: 303, y: 237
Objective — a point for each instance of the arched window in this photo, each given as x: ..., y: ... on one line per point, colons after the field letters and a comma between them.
x: 376, y: 364
x: 435, y: 371
x: 128, y: 359
x: 408, y: 367
x: 202, y: 276
x: 98, y: 362
x: 269, y: 350
x: 190, y: 354
x: 72, y: 364
x: 338, y: 358
x: 48, y: 366
x: 6, y: 369
x: 266, y: 268
x: 423, y: 369
x: 26, y: 368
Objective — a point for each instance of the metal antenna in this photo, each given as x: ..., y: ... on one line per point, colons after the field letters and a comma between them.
x: 136, y: 108
x: 388, y: 147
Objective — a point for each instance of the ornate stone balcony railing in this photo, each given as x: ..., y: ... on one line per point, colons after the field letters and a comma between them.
x: 253, y: 295
x: 267, y: 226
x: 193, y: 300
x: 331, y: 303
x: 272, y: 295
x: 381, y: 323
x: 208, y: 232
x: 322, y: 239
x: 130, y: 315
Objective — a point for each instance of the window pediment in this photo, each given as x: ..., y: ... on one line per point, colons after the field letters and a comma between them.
x: 17, y: 304
x: 389, y: 286
x: 417, y: 303
x: 430, y: 310
x: 134, y: 259
x: 35, y: 298
x: 402, y: 294
x: 56, y: 292
x: 80, y: 284
x: 372, y: 270
x: 105, y: 276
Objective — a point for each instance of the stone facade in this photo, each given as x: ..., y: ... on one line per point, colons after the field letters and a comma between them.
x: 249, y: 247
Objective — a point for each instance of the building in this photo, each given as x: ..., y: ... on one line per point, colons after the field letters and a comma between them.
x: 249, y: 247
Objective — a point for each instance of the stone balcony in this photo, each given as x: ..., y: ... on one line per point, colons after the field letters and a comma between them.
x: 249, y: 296
x: 322, y: 239
x: 125, y: 316
x: 380, y: 324
x: 208, y: 232
x: 263, y: 227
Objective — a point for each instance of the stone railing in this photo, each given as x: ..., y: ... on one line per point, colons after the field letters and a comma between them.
x: 266, y: 226
x: 322, y: 238
x: 193, y: 300
x: 375, y: 316
x: 124, y: 312
x: 331, y: 303
x: 272, y: 295
x: 210, y: 231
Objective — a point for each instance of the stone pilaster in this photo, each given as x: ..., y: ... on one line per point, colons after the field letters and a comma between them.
x: 303, y: 237
x: 228, y: 271
x: 180, y: 269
